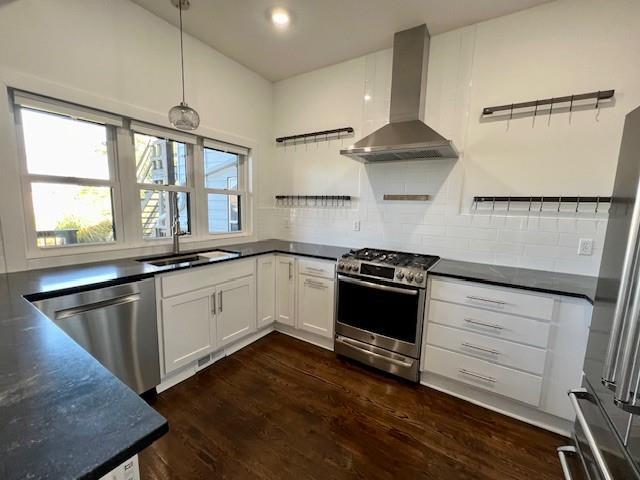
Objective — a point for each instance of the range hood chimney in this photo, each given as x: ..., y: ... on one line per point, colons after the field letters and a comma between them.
x: 406, y: 136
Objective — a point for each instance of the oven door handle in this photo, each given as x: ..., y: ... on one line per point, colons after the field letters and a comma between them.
x: 377, y: 286
x: 358, y: 345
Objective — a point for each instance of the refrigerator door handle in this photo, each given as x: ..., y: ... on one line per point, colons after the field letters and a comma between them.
x: 593, y: 445
x: 627, y: 284
x: 626, y: 381
x: 563, y: 453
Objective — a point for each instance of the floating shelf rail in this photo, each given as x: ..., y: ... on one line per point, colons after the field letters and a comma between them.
x: 541, y: 200
x: 307, y: 201
x: 317, y: 136
x: 599, y: 95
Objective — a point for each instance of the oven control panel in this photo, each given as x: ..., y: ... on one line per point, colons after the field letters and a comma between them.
x: 406, y: 276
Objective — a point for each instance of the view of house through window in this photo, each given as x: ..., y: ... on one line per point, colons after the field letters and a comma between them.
x: 222, y: 180
x: 69, y: 168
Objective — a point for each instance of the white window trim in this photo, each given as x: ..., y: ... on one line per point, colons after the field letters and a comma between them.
x: 26, y: 179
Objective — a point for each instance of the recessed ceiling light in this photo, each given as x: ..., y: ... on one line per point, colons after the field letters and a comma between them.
x: 280, y: 17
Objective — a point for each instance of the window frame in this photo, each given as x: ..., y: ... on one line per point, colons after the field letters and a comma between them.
x: 190, y: 141
x: 64, y: 110
x: 241, y: 189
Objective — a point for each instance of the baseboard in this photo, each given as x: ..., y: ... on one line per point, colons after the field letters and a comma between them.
x: 498, y: 404
x: 317, y: 340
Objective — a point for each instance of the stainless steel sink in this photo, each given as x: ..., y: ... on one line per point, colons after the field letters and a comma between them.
x: 188, y: 258
x: 173, y: 260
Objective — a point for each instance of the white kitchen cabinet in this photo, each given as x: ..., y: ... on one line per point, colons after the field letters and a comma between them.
x: 236, y: 315
x: 315, y: 305
x: 266, y: 290
x: 285, y: 290
x: 522, y: 345
x: 188, y: 326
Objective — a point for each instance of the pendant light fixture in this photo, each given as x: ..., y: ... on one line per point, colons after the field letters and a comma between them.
x: 183, y: 116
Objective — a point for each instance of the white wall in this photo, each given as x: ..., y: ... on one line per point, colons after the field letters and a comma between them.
x: 560, y: 48
x: 116, y: 56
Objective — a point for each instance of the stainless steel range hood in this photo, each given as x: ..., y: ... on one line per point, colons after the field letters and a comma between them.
x: 406, y: 136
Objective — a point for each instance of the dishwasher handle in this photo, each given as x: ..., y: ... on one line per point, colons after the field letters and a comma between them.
x: 89, y: 307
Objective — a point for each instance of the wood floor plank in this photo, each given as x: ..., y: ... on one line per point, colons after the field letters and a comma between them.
x: 283, y: 409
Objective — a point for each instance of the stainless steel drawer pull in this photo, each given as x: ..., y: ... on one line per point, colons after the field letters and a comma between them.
x: 563, y: 452
x: 220, y: 300
x: 480, y: 299
x: 313, y: 269
x: 464, y: 371
x: 595, y: 449
x: 482, y: 324
x: 315, y: 284
x: 213, y: 303
x: 482, y: 349
x: 72, y: 312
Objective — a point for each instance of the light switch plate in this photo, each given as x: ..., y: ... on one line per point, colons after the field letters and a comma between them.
x: 585, y: 246
x: 356, y: 225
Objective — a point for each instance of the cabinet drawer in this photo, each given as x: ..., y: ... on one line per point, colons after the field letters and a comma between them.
x: 316, y: 268
x: 486, y: 322
x: 195, y: 278
x: 491, y: 349
x: 506, y: 300
x: 481, y: 374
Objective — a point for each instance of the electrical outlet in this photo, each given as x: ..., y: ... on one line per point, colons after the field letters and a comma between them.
x: 356, y: 225
x: 585, y: 246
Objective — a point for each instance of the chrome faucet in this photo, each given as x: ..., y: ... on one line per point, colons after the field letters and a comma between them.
x: 176, y: 230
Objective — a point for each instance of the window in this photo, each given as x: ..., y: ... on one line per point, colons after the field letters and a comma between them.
x: 98, y: 181
x: 162, y: 171
x: 68, y: 177
x: 224, y: 182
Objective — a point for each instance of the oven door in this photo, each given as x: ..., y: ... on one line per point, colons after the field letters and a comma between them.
x: 383, y: 315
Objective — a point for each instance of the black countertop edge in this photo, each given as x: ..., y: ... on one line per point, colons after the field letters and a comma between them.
x: 583, y: 296
x: 117, y: 460
x: 553, y: 283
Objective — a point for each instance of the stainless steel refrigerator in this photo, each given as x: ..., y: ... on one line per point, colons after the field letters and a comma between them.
x: 607, y: 404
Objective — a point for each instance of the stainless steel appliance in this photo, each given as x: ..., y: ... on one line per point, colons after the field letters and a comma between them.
x: 607, y: 404
x: 380, y: 308
x: 406, y: 136
x: 116, y: 325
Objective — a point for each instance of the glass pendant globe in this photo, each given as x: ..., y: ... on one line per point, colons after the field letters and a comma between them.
x: 184, y: 117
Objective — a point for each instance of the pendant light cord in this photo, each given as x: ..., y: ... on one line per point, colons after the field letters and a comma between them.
x: 181, y: 49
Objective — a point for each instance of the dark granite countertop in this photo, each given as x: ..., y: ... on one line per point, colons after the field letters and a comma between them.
x: 62, y: 414
x: 579, y: 286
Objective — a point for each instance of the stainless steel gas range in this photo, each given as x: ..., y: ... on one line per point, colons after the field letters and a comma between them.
x: 380, y: 308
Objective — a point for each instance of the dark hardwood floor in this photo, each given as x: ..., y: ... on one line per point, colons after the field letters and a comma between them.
x: 284, y: 409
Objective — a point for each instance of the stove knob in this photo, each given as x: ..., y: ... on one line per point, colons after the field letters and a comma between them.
x: 420, y: 278
x: 400, y: 275
x: 354, y: 268
x: 340, y: 265
x: 410, y: 276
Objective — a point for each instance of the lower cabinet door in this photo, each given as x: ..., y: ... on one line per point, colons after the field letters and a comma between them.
x: 188, y: 327
x: 236, y: 303
x: 266, y: 290
x: 285, y: 290
x: 316, y: 305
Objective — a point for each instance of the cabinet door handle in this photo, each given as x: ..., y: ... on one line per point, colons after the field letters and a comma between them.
x: 213, y: 303
x: 464, y: 371
x: 220, y: 300
x: 482, y: 324
x: 482, y: 349
x: 290, y: 271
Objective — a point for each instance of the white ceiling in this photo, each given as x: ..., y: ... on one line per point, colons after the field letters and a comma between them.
x: 322, y: 32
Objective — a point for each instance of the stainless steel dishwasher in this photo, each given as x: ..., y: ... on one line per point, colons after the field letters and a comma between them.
x: 117, y: 325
